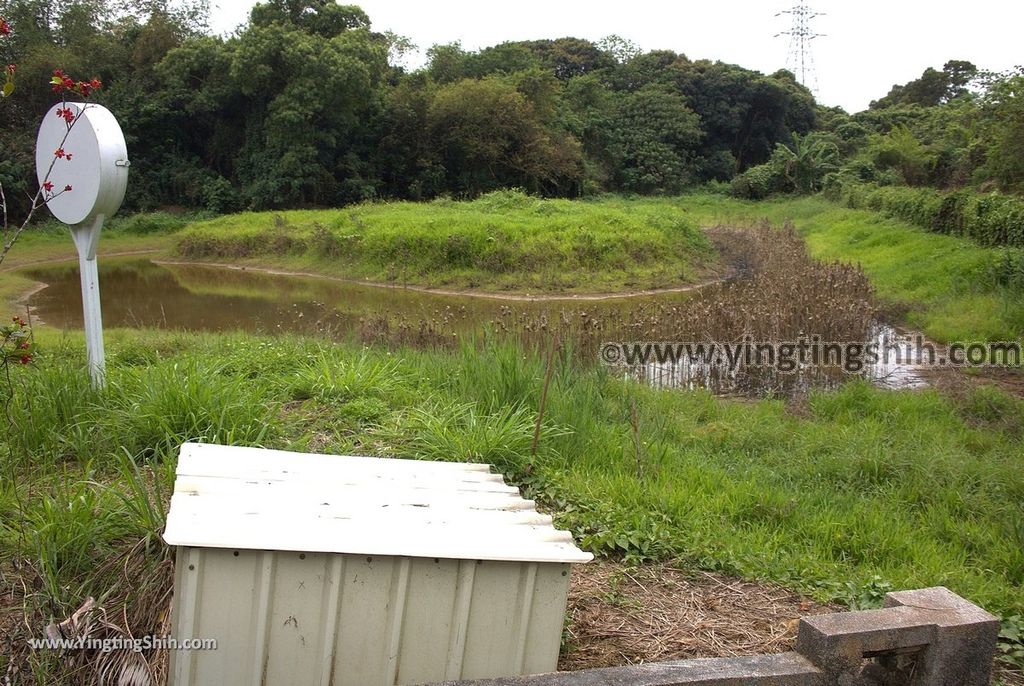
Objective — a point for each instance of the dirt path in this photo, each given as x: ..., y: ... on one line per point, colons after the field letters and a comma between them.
x: 67, y: 258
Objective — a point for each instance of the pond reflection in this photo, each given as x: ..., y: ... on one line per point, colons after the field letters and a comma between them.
x: 140, y: 293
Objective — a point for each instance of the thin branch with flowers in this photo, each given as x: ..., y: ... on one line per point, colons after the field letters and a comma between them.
x: 64, y: 85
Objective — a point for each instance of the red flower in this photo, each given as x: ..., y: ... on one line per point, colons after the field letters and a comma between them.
x: 25, y: 359
x: 11, y: 69
x: 67, y: 156
x: 66, y: 112
x: 59, y: 153
x: 96, y: 84
x: 67, y: 189
x: 5, y: 28
x: 48, y: 186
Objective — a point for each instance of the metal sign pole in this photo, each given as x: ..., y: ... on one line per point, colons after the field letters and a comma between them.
x: 93, y: 188
x: 86, y: 239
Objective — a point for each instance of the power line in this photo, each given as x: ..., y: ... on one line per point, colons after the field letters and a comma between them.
x: 800, y: 59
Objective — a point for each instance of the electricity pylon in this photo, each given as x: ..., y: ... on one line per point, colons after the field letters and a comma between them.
x: 800, y: 59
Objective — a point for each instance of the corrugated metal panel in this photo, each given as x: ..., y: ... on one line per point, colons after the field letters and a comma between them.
x: 347, y: 620
x: 248, y: 498
x: 353, y: 571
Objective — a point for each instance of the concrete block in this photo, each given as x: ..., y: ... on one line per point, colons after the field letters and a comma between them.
x: 962, y: 651
x: 838, y: 644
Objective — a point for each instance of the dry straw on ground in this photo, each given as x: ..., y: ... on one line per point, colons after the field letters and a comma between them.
x: 621, y: 615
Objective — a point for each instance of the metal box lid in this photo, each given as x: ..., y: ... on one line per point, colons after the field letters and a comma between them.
x: 252, y: 498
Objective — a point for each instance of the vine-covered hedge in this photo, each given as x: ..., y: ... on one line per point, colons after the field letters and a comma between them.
x: 757, y: 183
x: 988, y: 218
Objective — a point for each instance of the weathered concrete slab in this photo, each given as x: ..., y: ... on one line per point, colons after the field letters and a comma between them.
x: 837, y: 644
x: 785, y: 669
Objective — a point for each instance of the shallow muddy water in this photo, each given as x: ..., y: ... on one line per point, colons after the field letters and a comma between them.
x: 140, y: 293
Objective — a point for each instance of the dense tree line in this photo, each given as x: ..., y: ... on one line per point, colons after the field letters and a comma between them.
x: 954, y: 128
x: 305, y: 106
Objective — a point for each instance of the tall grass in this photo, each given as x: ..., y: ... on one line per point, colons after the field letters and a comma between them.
x: 58, y: 417
x: 502, y: 240
x: 332, y: 380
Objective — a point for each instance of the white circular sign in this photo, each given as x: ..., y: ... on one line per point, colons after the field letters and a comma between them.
x: 83, y: 149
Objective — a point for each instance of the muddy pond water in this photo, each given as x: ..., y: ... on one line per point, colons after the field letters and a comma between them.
x: 141, y: 293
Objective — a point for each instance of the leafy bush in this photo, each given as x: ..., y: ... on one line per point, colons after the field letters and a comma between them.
x: 757, y: 182
x: 219, y: 196
x: 799, y: 168
x: 1011, y: 641
x: 988, y: 218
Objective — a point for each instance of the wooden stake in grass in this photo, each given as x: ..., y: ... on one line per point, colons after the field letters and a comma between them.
x: 544, y: 394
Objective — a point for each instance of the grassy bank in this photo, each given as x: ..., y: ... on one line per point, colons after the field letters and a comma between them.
x: 859, y: 491
x: 951, y: 288
x: 502, y: 241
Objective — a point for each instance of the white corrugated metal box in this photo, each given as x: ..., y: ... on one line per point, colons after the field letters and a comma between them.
x: 362, y: 571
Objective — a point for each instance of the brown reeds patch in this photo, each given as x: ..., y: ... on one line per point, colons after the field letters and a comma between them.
x: 619, y: 615
x: 778, y: 292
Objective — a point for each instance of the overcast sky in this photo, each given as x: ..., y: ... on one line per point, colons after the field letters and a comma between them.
x: 869, y: 44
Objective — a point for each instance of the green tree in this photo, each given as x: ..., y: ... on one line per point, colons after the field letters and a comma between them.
x: 324, y: 18
x: 805, y: 163
x: 446, y: 62
x: 310, y: 97
x: 654, y: 141
x: 407, y: 161
x: 933, y: 87
x: 1003, y: 124
x: 568, y: 58
x: 744, y: 114
x: 489, y: 135
x: 902, y: 151
x: 589, y: 108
